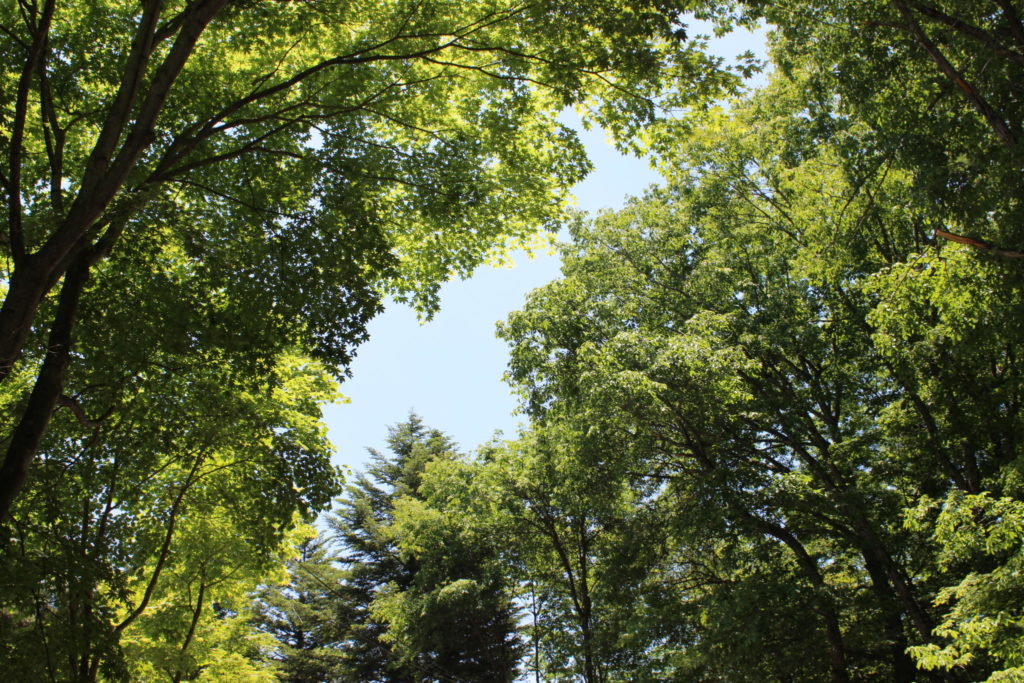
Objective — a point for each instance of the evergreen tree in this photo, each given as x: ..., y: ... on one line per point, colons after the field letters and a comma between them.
x: 408, y: 616
x: 300, y: 614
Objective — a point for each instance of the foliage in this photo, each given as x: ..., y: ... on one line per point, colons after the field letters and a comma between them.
x: 770, y: 353
x: 938, y: 84
x: 286, y: 163
x: 197, y: 624
x: 982, y: 619
x: 179, y: 502
x: 206, y: 201
x: 421, y: 599
x: 775, y: 405
x: 301, y: 614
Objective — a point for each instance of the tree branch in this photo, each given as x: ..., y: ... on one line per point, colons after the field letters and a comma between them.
x: 196, y: 614
x: 124, y: 100
x: 967, y: 29
x: 995, y: 121
x: 979, y: 245
x: 165, y: 550
x: 1013, y: 19
x: 75, y: 407
x: 43, y: 400
x: 13, y: 178
x: 54, y: 147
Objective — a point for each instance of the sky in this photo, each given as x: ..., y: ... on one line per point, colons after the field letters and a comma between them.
x: 449, y: 370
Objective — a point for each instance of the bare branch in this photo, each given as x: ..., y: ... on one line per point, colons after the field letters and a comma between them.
x: 54, y: 137
x: 979, y: 245
x: 231, y: 198
x: 365, y: 55
x: 14, y: 37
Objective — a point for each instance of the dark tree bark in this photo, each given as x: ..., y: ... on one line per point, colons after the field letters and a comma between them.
x: 825, y: 605
x: 79, y: 240
x: 973, y: 97
x: 43, y: 399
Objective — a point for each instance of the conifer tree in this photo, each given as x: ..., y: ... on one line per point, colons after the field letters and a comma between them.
x: 301, y: 614
x: 463, y: 626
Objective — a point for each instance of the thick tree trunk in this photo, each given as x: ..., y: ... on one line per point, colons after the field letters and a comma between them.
x: 69, y: 252
x: 49, y: 383
x: 25, y: 292
x: 903, y: 669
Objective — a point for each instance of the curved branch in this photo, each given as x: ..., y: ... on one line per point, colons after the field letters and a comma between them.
x: 72, y: 404
x: 979, y: 245
x: 165, y: 550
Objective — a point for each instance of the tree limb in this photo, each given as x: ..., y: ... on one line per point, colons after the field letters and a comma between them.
x: 979, y: 245
x: 75, y: 407
x: 43, y: 400
x: 967, y: 29
x: 995, y: 121
x: 13, y: 177
x: 1013, y: 19
x: 165, y: 550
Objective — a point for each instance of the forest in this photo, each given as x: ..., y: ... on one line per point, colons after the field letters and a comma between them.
x: 774, y: 405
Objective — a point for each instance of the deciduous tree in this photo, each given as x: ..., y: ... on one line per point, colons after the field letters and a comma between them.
x: 295, y: 159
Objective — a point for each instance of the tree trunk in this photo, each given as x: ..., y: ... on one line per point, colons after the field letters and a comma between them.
x: 825, y: 606
x: 49, y: 383
x: 25, y: 293
x: 903, y: 670
x: 196, y: 614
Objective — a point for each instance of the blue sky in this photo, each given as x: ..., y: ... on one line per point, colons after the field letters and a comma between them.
x: 449, y: 370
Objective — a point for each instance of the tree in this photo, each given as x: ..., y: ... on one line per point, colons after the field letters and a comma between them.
x: 457, y: 619
x: 180, y: 502
x: 295, y: 159
x: 372, y: 561
x: 534, y: 524
x: 301, y: 614
x: 564, y: 524
x: 773, y: 352
x: 938, y: 82
x: 420, y: 600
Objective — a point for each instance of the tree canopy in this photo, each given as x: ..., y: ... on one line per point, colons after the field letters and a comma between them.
x: 280, y: 165
x: 774, y: 405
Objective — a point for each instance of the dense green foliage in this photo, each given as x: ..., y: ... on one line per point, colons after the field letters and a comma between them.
x: 178, y: 502
x: 817, y: 394
x: 400, y: 588
x: 432, y: 608
x: 301, y: 614
x: 276, y: 167
x: 775, y: 405
x: 205, y: 203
